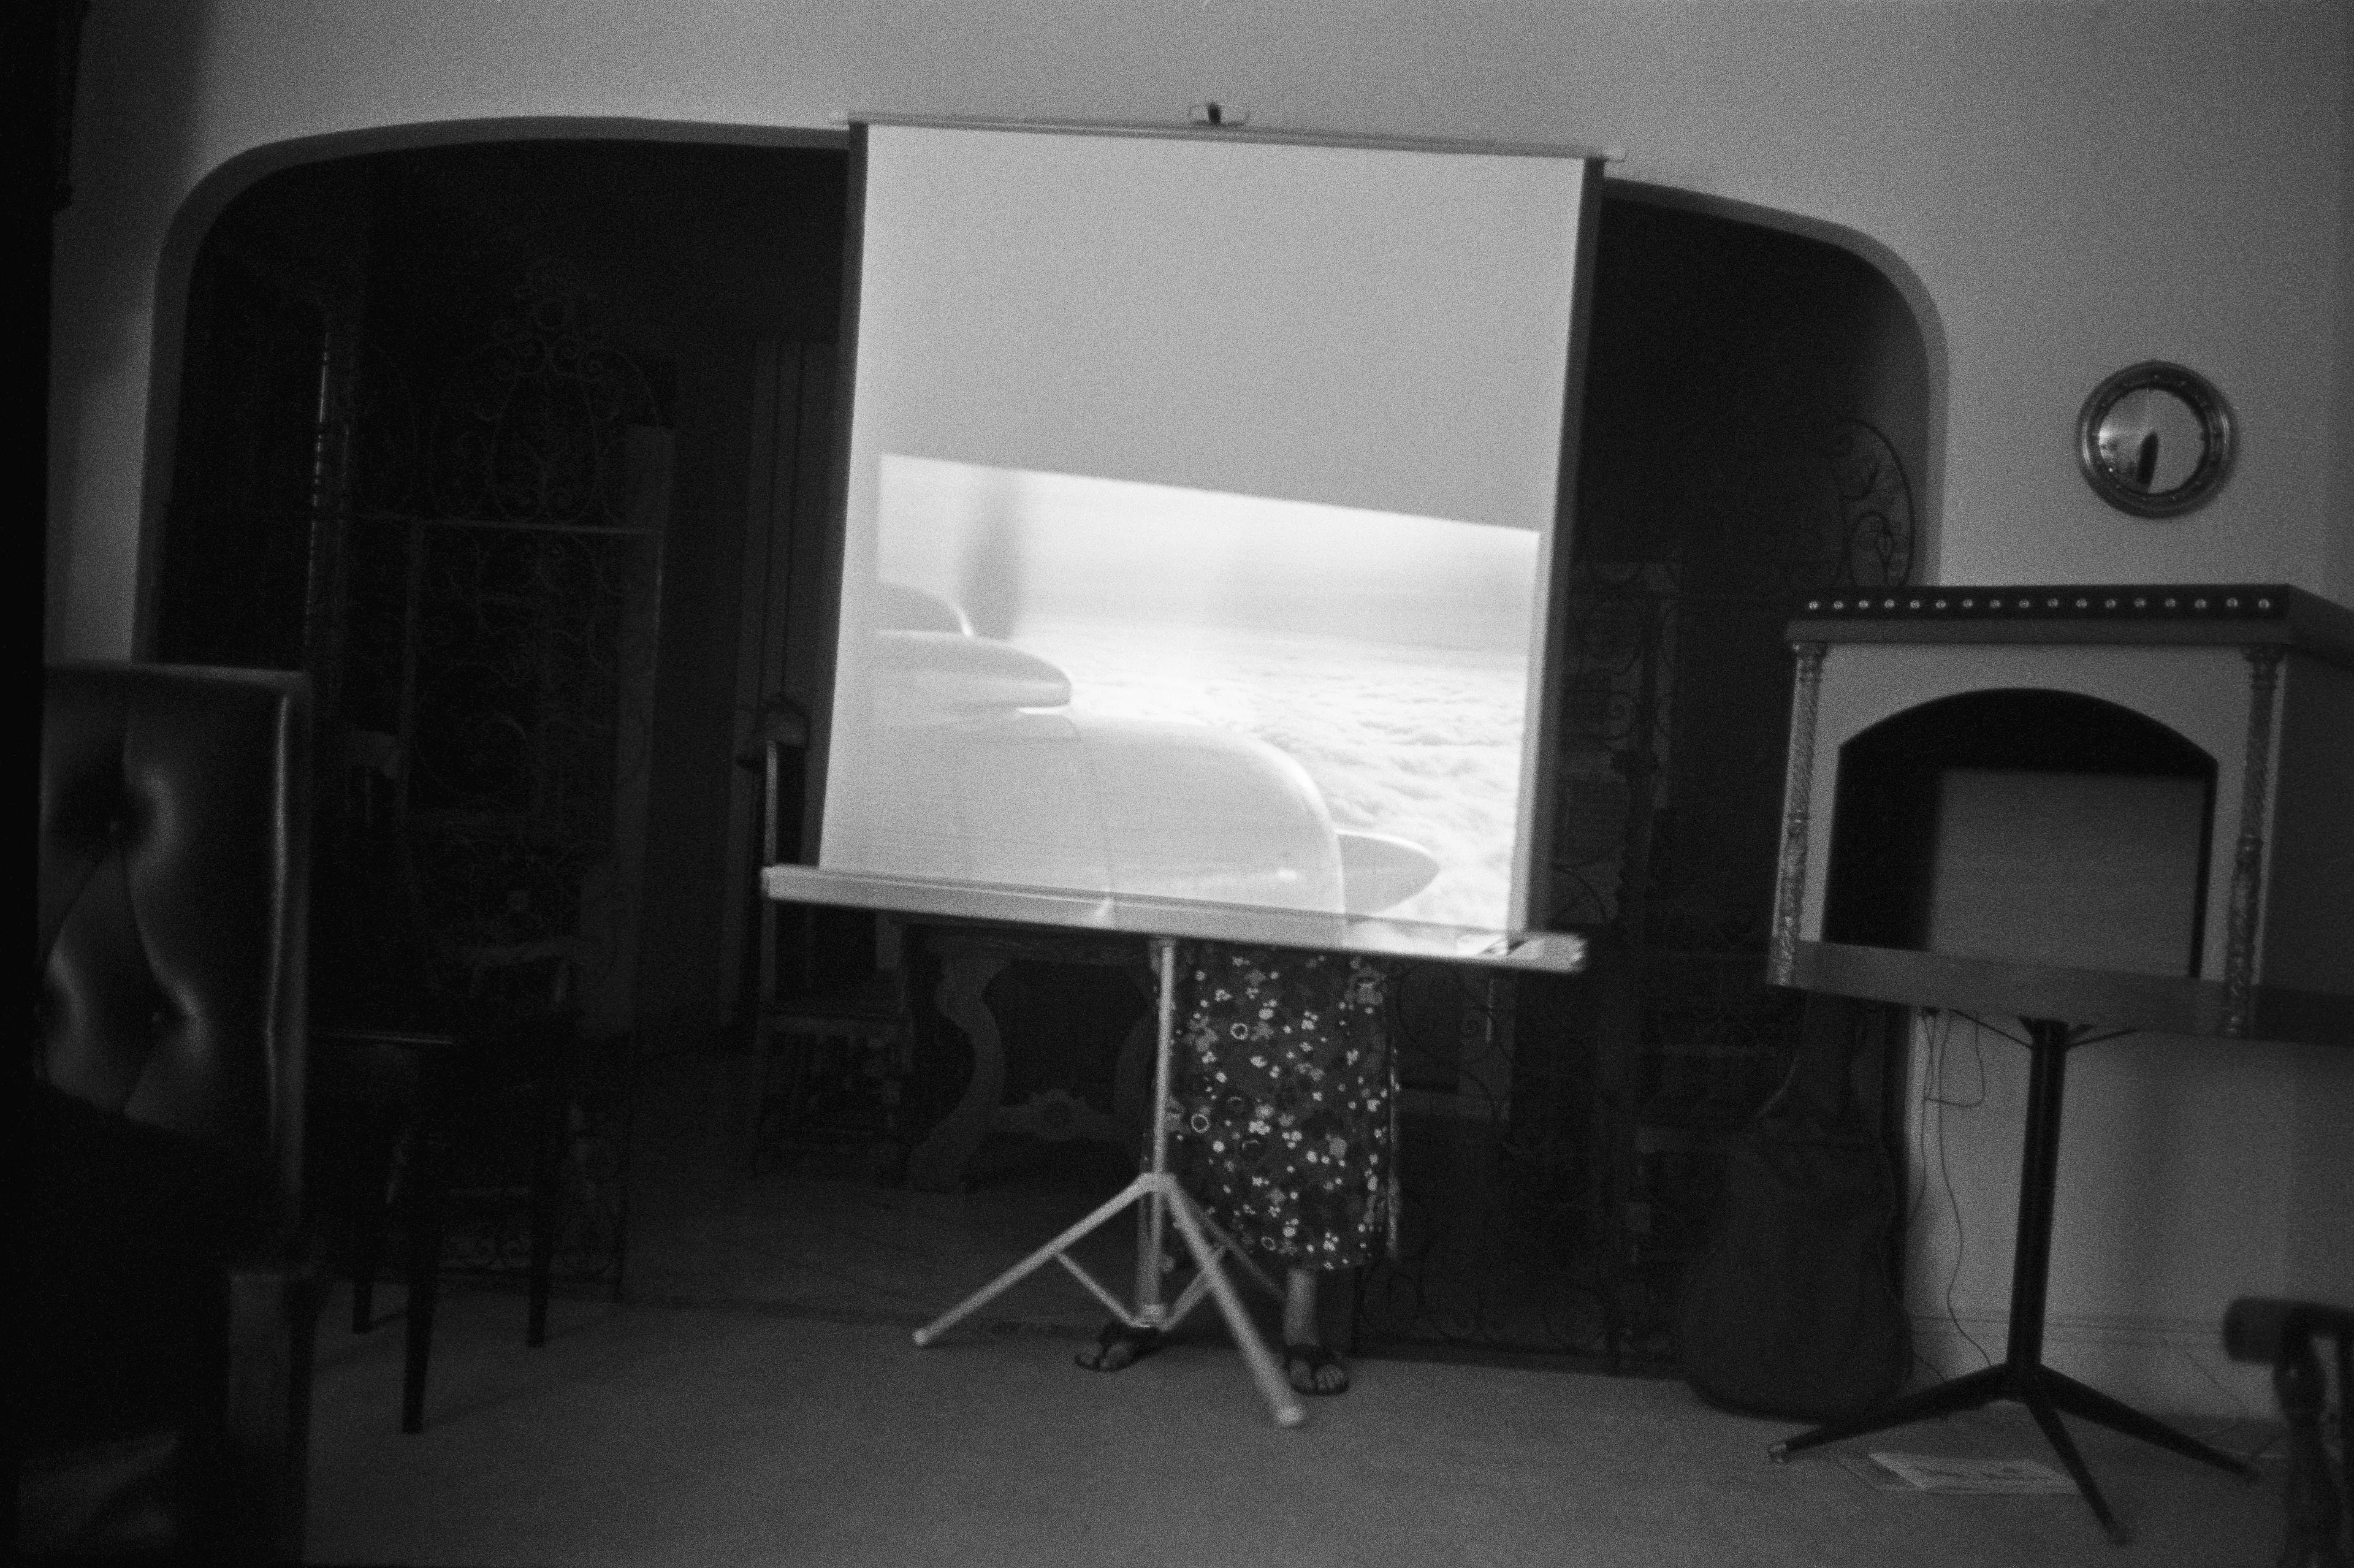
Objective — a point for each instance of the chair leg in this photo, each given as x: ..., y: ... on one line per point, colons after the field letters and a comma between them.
x: 384, y: 1181
x: 899, y: 1067
x: 763, y: 1083
x: 784, y: 1084
x: 628, y: 1117
x: 546, y: 1171
x: 428, y: 1177
x: 801, y: 1062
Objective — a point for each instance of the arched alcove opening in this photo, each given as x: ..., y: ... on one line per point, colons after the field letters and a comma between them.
x: 1759, y: 422
x: 505, y: 440
x: 1762, y: 410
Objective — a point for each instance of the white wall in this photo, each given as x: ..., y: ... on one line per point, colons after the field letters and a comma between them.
x: 2071, y: 185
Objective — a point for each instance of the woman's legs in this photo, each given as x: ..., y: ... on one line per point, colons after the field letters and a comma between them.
x: 1300, y: 1325
x: 1307, y: 1364
x: 1309, y: 1367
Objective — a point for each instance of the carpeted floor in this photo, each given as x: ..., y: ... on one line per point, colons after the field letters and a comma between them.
x: 662, y: 1436
x: 759, y: 1401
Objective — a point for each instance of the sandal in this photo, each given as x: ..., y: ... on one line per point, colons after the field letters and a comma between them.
x: 1120, y: 1346
x: 1314, y: 1369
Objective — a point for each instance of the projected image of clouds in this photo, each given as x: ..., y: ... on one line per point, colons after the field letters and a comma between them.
x: 1099, y: 684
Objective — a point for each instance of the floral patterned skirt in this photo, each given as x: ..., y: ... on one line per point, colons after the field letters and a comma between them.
x: 1281, y: 1106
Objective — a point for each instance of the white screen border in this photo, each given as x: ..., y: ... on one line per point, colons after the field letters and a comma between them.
x: 1516, y: 943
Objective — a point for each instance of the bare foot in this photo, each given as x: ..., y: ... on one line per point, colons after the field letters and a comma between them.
x: 1119, y: 1346
x: 1312, y: 1368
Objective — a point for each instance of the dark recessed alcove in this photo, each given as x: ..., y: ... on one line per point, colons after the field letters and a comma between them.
x: 2025, y: 825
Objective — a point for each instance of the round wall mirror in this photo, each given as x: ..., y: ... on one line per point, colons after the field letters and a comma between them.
x: 2153, y: 439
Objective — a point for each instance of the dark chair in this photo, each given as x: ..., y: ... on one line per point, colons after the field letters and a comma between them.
x: 2287, y: 1335
x: 466, y: 1085
x: 162, y: 1383
x: 835, y: 1059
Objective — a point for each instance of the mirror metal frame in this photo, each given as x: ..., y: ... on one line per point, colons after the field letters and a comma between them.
x: 2217, y: 438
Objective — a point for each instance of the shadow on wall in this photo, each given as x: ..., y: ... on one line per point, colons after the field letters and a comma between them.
x: 128, y: 87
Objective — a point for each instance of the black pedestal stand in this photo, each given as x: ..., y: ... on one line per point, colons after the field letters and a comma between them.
x: 2022, y: 1375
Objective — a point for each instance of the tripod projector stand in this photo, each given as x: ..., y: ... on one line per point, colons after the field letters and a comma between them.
x: 1158, y: 1201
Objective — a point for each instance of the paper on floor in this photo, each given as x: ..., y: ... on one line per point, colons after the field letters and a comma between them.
x: 1938, y: 1473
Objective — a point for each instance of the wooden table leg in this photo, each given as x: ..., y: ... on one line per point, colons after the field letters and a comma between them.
x: 937, y: 1164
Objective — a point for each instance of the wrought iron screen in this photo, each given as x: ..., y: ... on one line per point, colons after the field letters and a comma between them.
x: 483, y: 621
x: 1562, y: 1136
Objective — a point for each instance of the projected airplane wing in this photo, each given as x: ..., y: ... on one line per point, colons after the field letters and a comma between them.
x: 985, y: 776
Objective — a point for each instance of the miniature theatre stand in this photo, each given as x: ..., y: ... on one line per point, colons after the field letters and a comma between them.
x: 2225, y: 918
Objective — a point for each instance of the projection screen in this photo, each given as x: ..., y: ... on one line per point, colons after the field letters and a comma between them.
x: 1200, y: 502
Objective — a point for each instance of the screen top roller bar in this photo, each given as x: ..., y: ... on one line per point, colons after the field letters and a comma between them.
x: 1191, y: 132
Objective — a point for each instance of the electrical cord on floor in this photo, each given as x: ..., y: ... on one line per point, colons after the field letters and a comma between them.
x: 1916, y: 1176
x: 1938, y: 1032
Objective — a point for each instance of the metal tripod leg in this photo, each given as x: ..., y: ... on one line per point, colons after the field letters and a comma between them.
x: 1224, y: 1245
x: 1164, y: 1199
x: 1289, y: 1411
x: 2033, y: 1394
x: 1947, y: 1398
x: 2091, y: 1405
x: 1052, y: 1252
